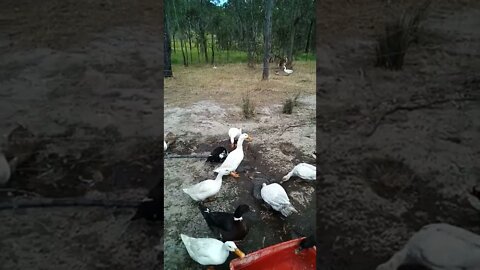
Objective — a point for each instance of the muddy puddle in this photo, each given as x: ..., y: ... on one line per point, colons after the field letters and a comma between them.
x: 266, y: 226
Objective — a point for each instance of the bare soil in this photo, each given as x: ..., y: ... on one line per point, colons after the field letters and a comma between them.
x: 84, y: 77
x: 397, y: 150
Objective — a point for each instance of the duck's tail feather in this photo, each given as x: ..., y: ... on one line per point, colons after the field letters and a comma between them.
x: 287, y: 210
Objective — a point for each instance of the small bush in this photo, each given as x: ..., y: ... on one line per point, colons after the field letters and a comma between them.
x: 248, y: 107
x: 398, y: 35
x: 288, y: 106
x: 290, y: 103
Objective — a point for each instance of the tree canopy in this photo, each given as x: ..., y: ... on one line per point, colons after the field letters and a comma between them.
x: 203, y: 31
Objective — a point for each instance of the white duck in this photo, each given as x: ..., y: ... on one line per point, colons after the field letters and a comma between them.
x: 302, y: 170
x: 235, y: 157
x: 209, y: 251
x: 5, y: 171
x: 275, y: 196
x: 439, y: 246
x: 234, y: 134
x: 288, y: 71
x: 206, y: 188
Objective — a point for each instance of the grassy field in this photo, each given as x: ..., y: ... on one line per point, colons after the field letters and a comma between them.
x: 230, y: 82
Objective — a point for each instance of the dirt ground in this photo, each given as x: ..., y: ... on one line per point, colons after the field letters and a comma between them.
x: 84, y: 77
x: 381, y: 185
x: 201, y: 104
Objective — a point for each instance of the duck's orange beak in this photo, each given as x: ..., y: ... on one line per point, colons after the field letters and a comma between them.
x: 239, y: 253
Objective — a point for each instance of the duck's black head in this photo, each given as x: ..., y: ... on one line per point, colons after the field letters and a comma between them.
x: 241, y: 209
x: 413, y: 266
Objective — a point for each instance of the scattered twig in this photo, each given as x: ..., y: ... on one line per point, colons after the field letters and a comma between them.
x: 291, y: 126
x: 412, y: 107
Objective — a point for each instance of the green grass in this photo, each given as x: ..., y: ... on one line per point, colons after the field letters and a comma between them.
x: 221, y: 57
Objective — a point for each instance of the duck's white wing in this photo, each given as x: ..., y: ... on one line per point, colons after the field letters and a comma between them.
x: 306, y: 171
x: 201, y: 189
x: 275, y: 195
x: 306, y: 165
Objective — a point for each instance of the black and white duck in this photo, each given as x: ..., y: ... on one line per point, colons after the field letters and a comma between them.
x: 218, y: 155
x: 230, y: 226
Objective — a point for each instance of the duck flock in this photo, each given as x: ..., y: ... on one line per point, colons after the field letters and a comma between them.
x: 231, y: 227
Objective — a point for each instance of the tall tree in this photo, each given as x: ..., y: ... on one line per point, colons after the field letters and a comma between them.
x: 167, y: 50
x: 267, y: 38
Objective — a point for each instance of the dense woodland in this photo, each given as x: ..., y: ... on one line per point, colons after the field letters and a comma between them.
x: 205, y: 32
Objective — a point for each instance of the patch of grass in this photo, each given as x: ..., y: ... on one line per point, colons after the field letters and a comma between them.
x: 398, y: 36
x: 221, y: 57
x: 307, y: 57
x: 288, y: 106
x: 248, y: 108
x: 290, y: 103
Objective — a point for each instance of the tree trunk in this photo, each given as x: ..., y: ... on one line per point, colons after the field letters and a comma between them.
x: 190, y: 43
x: 307, y: 47
x: 213, y: 52
x: 204, y: 44
x: 267, y: 38
x: 198, y: 50
x: 167, y: 50
x: 174, y: 47
x: 228, y: 52
x: 185, y: 60
x: 292, y: 39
